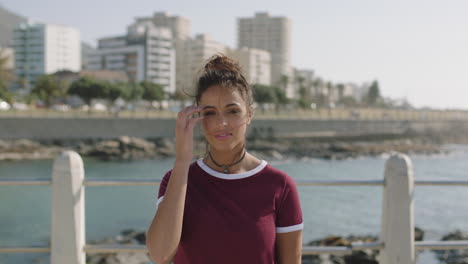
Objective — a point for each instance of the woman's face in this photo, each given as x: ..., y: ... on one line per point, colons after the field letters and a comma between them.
x: 226, y: 117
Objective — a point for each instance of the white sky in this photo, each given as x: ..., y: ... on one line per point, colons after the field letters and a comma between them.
x: 415, y: 49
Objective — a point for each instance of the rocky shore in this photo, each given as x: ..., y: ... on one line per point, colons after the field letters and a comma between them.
x: 137, y: 238
x: 131, y: 148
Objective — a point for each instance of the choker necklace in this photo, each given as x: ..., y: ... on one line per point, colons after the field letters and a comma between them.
x: 226, y: 167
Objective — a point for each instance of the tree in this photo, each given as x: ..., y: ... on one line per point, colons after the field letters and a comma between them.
x: 48, y: 88
x: 284, y: 80
x: 279, y: 98
x: 88, y: 89
x: 305, y: 96
x: 133, y: 93
x: 152, y: 91
x: 114, y: 91
x: 373, y: 94
x: 263, y: 94
x: 341, y: 89
x: 304, y: 100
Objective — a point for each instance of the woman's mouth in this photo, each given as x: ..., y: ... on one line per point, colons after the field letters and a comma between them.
x: 223, y: 136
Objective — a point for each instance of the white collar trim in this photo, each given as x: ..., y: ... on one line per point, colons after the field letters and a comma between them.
x: 226, y: 176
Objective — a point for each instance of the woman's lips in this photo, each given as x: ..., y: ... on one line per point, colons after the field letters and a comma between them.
x: 223, y: 136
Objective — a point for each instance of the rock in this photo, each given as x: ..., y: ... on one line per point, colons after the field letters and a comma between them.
x: 453, y: 256
x: 127, y: 237
x: 131, y: 148
x: 357, y: 257
x: 124, y: 148
x: 118, y: 258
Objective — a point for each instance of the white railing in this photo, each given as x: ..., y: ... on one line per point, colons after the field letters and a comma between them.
x: 68, y: 244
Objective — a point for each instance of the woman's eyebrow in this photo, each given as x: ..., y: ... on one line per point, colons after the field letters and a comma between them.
x: 208, y: 106
x: 233, y: 104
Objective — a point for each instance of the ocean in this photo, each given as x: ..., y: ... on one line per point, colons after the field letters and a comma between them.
x: 25, y: 210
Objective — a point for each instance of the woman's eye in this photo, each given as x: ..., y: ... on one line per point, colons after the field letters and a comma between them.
x: 208, y: 113
x: 234, y: 111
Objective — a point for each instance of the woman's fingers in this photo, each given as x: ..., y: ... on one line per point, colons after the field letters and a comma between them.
x: 184, y: 116
x: 193, y: 121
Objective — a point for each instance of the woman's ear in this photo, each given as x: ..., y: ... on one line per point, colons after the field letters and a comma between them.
x: 250, y: 114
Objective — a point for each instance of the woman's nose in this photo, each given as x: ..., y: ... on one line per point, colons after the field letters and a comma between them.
x: 222, y: 120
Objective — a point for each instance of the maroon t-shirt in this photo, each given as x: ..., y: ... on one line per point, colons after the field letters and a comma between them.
x: 234, y: 218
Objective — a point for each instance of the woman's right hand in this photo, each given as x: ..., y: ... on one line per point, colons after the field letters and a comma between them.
x: 185, y: 124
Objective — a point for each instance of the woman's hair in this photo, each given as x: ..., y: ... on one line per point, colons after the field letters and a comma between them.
x: 223, y: 71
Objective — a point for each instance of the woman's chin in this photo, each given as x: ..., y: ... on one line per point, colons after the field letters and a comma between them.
x: 222, y: 146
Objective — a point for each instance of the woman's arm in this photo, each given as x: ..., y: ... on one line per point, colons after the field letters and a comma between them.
x: 165, y: 231
x: 289, y: 247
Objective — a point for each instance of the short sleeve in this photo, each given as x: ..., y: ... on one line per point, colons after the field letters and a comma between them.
x: 289, y: 212
x: 163, y: 186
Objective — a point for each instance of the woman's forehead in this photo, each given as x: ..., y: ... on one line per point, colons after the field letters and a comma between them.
x: 221, y: 96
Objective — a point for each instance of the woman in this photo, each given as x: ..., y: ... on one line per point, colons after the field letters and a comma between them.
x: 229, y: 207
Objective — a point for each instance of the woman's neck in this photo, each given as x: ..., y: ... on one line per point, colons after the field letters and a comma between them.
x: 232, y: 160
x: 227, y: 157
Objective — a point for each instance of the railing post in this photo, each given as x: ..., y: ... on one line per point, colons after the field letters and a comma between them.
x: 68, y: 222
x: 397, y: 231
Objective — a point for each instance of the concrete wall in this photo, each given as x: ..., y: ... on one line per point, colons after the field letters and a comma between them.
x: 68, y: 128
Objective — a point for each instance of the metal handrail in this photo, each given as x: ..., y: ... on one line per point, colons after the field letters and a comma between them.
x: 137, y: 182
x: 306, y: 250
x: 24, y: 249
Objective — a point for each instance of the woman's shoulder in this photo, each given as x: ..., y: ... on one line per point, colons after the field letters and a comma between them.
x: 274, y: 172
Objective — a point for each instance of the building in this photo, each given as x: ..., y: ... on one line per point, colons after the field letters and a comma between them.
x: 196, y: 52
x: 8, y: 23
x: 274, y: 35
x: 255, y: 63
x: 180, y: 26
x: 146, y: 52
x: 9, y: 54
x: 181, y: 29
x: 86, y: 51
x: 44, y: 49
x: 115, y: 54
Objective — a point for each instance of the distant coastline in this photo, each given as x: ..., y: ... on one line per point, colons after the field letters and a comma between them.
x: 132, y: 148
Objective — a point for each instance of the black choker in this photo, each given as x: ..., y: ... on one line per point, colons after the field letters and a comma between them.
x: 226, y: 167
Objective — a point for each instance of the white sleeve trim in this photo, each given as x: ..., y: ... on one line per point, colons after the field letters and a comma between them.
x: 160, y: 200
x: 287, y: 229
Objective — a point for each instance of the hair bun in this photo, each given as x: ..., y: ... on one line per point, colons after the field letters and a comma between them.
x: 221, y: 62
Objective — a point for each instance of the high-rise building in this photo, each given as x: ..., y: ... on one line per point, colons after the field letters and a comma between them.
x: 274, y: 35
x: 197, y: 51
x: 181, y: 28
x: 146, y: 52
x: 255, y: 64
x: 44, y: 49
x: 115, y: 54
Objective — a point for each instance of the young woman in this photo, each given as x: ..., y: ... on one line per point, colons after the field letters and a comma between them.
x: 228, y: 207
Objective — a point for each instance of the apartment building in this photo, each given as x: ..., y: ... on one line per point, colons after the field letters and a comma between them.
x: 44, y: 49
x: 255, y: 63
x: 274, y: 35
x: 146, y: 52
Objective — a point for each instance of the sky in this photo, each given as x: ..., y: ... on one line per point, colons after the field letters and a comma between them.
x: 416, y: 49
